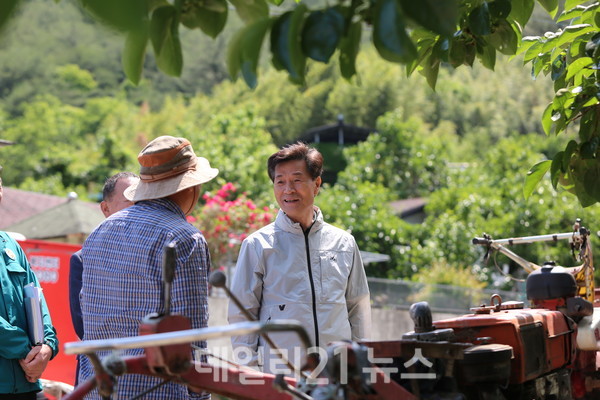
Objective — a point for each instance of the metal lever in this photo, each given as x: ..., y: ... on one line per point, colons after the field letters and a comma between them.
x: 218, y: 279
x: 168, y: 273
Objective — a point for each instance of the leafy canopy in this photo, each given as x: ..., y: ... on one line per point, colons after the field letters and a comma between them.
x: 421, y: 35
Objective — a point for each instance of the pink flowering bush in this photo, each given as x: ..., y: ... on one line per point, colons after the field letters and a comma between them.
x: 226, y: 219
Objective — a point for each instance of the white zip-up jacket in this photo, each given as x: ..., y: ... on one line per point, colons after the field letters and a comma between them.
x: 316, y: 278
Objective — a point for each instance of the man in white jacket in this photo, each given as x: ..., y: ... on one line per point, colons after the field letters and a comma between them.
x: 299, y: 267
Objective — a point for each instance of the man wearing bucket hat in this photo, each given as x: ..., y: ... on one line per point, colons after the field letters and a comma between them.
x: 122, y: 259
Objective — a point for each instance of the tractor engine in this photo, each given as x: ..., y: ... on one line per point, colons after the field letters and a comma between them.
x: 547, y: 351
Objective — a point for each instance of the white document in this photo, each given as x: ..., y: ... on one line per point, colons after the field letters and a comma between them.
x: 33, y: 309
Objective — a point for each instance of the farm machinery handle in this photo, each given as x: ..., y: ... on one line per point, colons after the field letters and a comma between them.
x: 501, y: 351
x: 579, y: 240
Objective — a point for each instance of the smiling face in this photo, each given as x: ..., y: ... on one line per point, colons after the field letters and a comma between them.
x: 295, y: 191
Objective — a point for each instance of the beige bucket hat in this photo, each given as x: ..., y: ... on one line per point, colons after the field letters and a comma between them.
x: 168, y: 165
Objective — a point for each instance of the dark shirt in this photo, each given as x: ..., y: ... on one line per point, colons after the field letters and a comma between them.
x: 75, y: 271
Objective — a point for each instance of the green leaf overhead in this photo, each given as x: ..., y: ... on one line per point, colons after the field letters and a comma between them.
x: 349, y: 48
x: 389, y: 33
x: 534, y: 176
x: 521, y: 11
x: 322, y: 33
x: 286, y: 36
x: 209, y: 16
x: 244, y: 51
x: 550, y: 5
x: 438, y: 16
x: 251, y: 10
x: 121, y: 15
x: 164, y: 34
x: 134, y: 54
x: 480, y: 20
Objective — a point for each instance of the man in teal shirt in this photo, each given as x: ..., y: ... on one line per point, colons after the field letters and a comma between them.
x: 21, y: 364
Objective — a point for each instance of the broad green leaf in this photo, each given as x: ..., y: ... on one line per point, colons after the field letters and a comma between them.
x: 424, y: 49
x: 480, y: 21
x: 556, y: 168
x: 118, y: 14
x: 578, y: 176
x: 438, y: 16
x: 533, y: 51
x: 538, y: 65
x: 6, y: 9
x: 499, y: 9
x: 591, y: 181
x: 547, y: 118
x: 521, y: 11
x: 586, y: 125
x: 244, y: 51
x: 534, y: 177
x: 279, y: 43
x: 349, y: 47
x: 570, y: 14
x: 389, y: 33
x: 133, y: 55
x: 430, y: 68
x: 164, y: 34
x: 566, y: 36
x: 457, y: 53
x: 576, y: 66
x: 569, y: 4
x: 251, y: 10
x: 440, y: 49
x: 285, y: 43
x: 571, y: 32
x: 470, y: 54
x: 558, y: 68
x: 591, y: 102
x: 487, y: 56
x: 322, y: 33
x: 550, y: 5
x: 527, y: 42
x: 592, y: 46
x: 210, y: 20
x: 504, y: 38
x: 588, y: 149
x: 234, y: 54
x: 571, y: 148
x: 589, y: 14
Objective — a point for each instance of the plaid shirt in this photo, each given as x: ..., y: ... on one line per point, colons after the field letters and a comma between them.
x: 122, y: 283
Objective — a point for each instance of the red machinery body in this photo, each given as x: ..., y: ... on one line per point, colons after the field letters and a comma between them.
x: 542, y: 340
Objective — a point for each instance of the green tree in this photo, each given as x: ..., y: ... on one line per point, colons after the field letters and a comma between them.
x: 421, y: 35
x: 404, y: 157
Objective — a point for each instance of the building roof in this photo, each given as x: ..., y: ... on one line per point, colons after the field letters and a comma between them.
x: 370, y: 258
x: 68, y: 218
x: 339, y: 132
x: 408, y: 207
x: 18, y: 205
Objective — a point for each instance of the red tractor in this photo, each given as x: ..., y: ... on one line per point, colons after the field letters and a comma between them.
x: 501, y: 351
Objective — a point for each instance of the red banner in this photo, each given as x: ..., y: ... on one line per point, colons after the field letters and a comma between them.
x: 50, y: 262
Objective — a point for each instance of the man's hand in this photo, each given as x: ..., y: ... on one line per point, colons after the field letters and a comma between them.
x: 35, y: 362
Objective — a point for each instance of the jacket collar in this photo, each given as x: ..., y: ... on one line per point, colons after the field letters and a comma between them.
x: 282, y: 221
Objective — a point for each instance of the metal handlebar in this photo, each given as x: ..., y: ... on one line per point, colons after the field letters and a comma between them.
x: 187, y: 336
x: 498, y: 244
